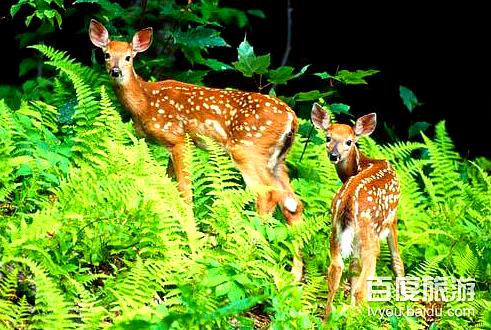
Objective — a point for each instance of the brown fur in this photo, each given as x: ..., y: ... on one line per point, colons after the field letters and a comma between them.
x: 366, y: 204
x: 257, y: 130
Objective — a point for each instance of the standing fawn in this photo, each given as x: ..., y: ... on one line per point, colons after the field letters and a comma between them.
x: 363, y: 210
x: 257, y: 130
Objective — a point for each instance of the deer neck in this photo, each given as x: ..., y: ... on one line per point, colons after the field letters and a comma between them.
x: 131, y: 93
x: 352, y: 164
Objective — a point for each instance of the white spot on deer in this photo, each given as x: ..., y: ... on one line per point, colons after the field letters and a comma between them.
x: 258, y: 135
x: 156, y: 125
x: 161, y: 111
x: 267, y: 104
x: 247, y: 142
x: 216, y: 108
x: 384, y: 233
x: 154, y: 119
x: 206, y: 106
x: 290, y: 204
x: 172, y: 102
x: 346, y: 242
x: 365, y: 214
x: 217, y: 127
x: 269, y: 122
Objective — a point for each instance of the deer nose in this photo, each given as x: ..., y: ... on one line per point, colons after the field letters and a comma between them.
x: 334, y: 156
x: 116, y: 72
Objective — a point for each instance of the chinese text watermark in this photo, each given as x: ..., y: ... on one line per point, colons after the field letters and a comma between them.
x: 411, y: 288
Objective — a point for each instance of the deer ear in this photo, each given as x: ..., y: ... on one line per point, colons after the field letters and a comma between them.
x: 142, y: 40
x: 319, y: 117
x: 98, y: 34
x: 365, y: 125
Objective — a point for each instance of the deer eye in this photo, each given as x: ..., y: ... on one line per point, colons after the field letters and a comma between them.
x: 107, y: 56
x: 127, y: 58
x: 328, y: 138
x: 348, y: 142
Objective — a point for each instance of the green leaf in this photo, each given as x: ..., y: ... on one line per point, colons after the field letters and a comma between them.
x: 311, y: 95
x: 223, y: 289
x: 200, y: 37
x: 214, y: 280
x: 249, y: 63
x: 235, y: 292
x: 324, y: 75
x: 236, y: 307
x: 417, y: 128
x: 280, y: 75
x: 353, y: 78
x: 15, y: 8
x: 408, y: 98
x: 114, y: 9
x: 230, y: 15
x: 216, y: 65
x: 192, y: 76
x: 29, y: 19
x: 256, y: 12
x: 49, y: 13
x: 285, y: 73
x: 339, y: 108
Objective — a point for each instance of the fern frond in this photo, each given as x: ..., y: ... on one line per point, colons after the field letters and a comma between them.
x: 430, y: 267
x: 51, y: 310
x: 465, y: 262
x: 444, y: 163
x: 88, y: 308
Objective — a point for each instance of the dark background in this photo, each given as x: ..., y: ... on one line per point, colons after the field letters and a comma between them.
x: 440, y: 53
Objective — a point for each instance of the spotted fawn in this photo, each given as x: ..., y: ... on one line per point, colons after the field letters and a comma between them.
x: 363, y: 210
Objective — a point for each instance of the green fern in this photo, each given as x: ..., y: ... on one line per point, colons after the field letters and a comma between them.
x: 51, y: 310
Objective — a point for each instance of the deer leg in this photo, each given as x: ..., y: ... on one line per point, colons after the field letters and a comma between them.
x: 355, y: 269
x: 397, y: 265
x: 334, y: 271
x: 290, y: 204
x: 292, y: 209
x: 369, y: 253
x: 170, y: 169
x: 258, y: 179
x: 256, y: 176
x: 182, y: 175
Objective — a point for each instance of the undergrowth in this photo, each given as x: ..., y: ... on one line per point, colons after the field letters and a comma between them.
x: 93, y: 234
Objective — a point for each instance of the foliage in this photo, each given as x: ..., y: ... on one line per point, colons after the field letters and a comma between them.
x: 348, y: 77
x: 42, y: 10
x: 94, y: 234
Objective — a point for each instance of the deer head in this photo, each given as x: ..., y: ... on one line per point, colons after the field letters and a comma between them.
x: 119, y: 54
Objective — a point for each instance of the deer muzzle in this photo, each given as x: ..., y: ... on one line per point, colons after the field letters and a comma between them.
x: 115, y: 72
x: 334, y: 156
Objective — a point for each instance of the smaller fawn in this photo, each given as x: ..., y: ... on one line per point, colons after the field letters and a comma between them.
x: 363, y: 210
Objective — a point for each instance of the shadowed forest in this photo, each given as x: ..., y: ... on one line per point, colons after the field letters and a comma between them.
x: 94, y: 232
